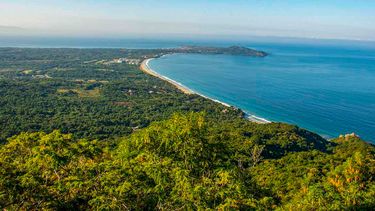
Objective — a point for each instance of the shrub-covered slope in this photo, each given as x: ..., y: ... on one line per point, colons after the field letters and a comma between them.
x: 188, y: 162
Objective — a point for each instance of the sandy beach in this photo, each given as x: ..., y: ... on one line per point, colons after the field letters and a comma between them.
x: 146, y: 69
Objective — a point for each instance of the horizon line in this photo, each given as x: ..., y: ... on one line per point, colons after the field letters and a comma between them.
x: 193, y: 37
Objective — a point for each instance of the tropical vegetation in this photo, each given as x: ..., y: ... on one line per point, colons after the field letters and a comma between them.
x: 80, y: 132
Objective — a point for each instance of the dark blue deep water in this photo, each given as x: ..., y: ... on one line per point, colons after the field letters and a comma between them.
x: 324, y: 88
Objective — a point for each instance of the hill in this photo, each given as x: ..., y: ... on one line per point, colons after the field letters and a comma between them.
x: 188, y: 162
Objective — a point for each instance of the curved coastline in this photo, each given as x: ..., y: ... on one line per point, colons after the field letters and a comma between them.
x: 146, y: 69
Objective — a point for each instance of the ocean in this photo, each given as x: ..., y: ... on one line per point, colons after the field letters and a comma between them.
x: 325, y: 86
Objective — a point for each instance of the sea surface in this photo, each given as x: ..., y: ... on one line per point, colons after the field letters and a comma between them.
x: 326, y: 86
x: 326, y: 89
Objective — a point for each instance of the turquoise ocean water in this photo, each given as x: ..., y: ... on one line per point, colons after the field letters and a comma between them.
x: 325, y: 86
x: 327, y: 89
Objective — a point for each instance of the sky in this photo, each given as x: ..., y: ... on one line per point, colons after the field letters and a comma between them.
x: 331, y: 19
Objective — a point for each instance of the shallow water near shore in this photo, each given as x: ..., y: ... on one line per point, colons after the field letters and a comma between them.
x: 326, y: 89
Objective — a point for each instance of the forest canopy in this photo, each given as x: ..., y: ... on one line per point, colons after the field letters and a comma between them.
x: 186, y: 162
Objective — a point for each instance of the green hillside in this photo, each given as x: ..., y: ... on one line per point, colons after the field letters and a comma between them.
x: 188, y: 162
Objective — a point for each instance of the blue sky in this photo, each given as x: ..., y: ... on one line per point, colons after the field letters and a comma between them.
x: 339, y: 19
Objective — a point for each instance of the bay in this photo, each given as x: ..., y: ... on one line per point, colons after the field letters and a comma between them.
x: 326, y: 89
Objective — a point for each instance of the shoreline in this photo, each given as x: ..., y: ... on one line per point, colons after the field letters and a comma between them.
x: 146, y: 69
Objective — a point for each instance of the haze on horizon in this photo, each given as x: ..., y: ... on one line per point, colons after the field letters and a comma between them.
x: 332, y: 19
